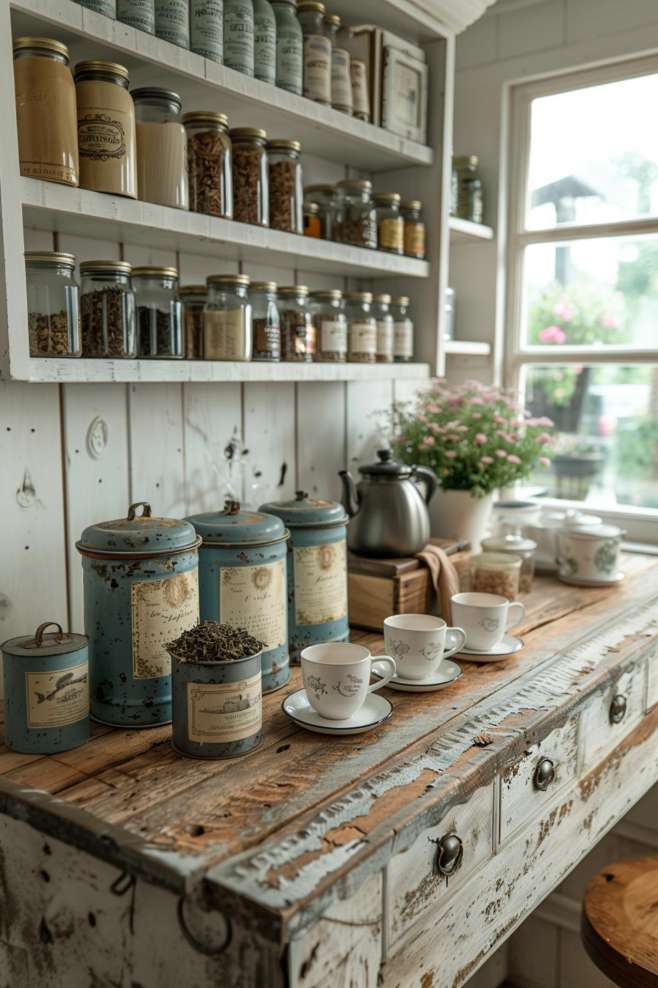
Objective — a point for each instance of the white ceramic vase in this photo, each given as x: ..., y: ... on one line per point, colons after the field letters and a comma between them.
x: 460, y: 515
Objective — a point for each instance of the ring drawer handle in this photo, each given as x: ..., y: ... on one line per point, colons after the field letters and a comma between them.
x: 544, y: 774
x: 618, y: 708
x: 449, y: 854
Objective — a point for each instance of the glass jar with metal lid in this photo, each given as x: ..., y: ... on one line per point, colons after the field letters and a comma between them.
x: 317, y: 51
x: 297, y: 330
x: 517, y: 546
x: 46, y: 114
x: 496, y: 572
x: 53, y: 309
x: 106, y: 128
x: 362, y: 327
x: 385, y: 328
x: 227, y: 322
x: 325, y: 197
x: 467, y: 197
x: 355, y: 217
x: 161, y: 147
x: 209, y: 163
x: 332, y: 23
x: 289, y: 47
x: 312, y: 225
x: 330, y: 326
x: 193, y: 300
x: 107, y: 309
x: 266, y: 322
x: 286, y: 186
x: 403, y: 330
x: 414, y: 228
x: 390, y: 225
x: 239, y: 30
x: 250, y: 176
x: 159, y: 312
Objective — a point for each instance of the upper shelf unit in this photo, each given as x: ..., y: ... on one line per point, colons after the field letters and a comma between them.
x: 465, y: 232
x: 205, y: 85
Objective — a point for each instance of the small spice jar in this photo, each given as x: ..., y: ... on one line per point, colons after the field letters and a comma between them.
x: 239, y: 35
x: 45, y: 111
x: 139, y: 14
x: 325, y: 197
x: 519, y: 547
x: 312, y: 225
x: 264, y: 41
x: 355, y: 217
x: 390, y: 225
x: 467, y: 197
x: 106, y: 128
x: 497, y: 573
x: 297, y: 330
x: 286, y: 186
x: 227, y: 320
x: 161, y: 147
x: 414, y: 228
x: 266, y: 322
x: 403, y: 330
x: 46, y: 682
x: 385, y: 328
x: 159, y: 312
x: 360, y: 92
x: 207, y: 29
x: 209, y: 163
x: 362, y: 327
x: 53, y: 304
x: 172, y: 21
x: 330, y: 325
x: 250, y: 176
x: 317, y: 51
x: 193, y: 300
x: 107, y: 309
x: 289, y: 47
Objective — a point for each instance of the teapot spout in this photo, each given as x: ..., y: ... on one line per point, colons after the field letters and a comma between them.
x: 350, y: 499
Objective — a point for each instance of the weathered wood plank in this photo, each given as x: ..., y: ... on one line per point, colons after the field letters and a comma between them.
x: 269, y: 435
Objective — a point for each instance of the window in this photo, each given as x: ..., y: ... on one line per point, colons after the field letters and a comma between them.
x: 582, y: 283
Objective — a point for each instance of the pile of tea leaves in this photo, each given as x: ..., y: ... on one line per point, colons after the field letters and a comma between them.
x: 210, y: 641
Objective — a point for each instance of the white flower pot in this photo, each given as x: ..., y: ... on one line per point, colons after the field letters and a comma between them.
x: 457, y: 514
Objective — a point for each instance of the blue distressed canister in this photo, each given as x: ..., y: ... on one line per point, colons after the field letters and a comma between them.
x: 317, y: 570
x: 242, y: 567
x: 46, y: 679
x: 141, y: 590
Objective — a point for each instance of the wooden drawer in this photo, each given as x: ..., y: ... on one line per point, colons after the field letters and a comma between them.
x: 601, y: 731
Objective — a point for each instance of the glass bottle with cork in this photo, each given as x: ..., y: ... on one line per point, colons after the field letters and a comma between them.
x: 390, y: 224
x: 414, y: 228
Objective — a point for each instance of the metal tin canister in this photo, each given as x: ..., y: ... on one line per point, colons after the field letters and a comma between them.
x: 317, y: 570
x: 217, y: 707
x: 141, y: 591
x: 242, y: 567
x: 46, y: 679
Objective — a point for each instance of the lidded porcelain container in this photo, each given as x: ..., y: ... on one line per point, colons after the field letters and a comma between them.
x: 544, y: 532
x: 317, y: 569
x: 141, y: 591
x: 242, y: 569
x: 589, y: 554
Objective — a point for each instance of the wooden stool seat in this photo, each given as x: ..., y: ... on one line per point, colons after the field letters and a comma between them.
x: 620, y: 922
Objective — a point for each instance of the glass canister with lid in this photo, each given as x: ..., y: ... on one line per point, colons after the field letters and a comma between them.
x: 239, y: 30
x: 193, y: 300
x: 297, y: 330
x: 317, y: 51
x: 312, y: 225
x: 403, y: 330
x: 139, y: 14
x: 266, y: 322
x: 355, y: 218
x: 207, y: 29
x: 330, y: 326
x: 362, y: 327
x: 251, y: 198
x: 496, y: 572
x: 385, y: 328
x: 52, y: 304
x: 107, y: 309
x: 360, y: 91
x: 228, y: 318
x: 341, y: 80
x: 325, y: 197
x: 519, y: 547
x: 209, y: 163
x: 106, y: 128
x: 467, y: 196
x: 161, y: 147
x: 414, y: 228
x: 390, y: 225
x: 264, y: 41
x: 172, y: 21
x: 286, y: 186
x: 159, y: 312
x: 289, y: 47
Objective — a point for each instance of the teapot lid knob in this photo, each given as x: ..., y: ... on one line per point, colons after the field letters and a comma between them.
x: 384, y: 455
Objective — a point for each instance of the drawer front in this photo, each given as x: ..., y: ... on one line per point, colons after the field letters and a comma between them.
x: 531, y: 783
x: 652, y: 668
x: 610, y: 715
x: 414, y: 883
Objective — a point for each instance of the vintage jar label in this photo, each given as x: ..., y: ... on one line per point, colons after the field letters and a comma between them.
x: 333, y: 337
x: 101, y: 135
x: 254, y: 597
x: 414, y: 239
x: 385, y: 337
x: 317, y: 68
x: 341, y: 83
x: 289, y: 61
x: 207, y: 28
x: 224, y: 712
x: 239, y: 36
x: 172, y: 21
x: 139, y: 14
x: 359, y: 78
x: 224, y: 334
x: 363, y: 337
x: 55, y: 699
x: 264, y: 45
x: 107, y: 7
x: 391, y: 233
x: 161, y: 610
x: 320, y: 583
x: 403, y: 338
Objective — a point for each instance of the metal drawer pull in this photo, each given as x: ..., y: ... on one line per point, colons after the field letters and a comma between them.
x: 618, y: 708
x: 449, y: 854
x: 544, y: 774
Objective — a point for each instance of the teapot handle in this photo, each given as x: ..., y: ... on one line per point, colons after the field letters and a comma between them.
x: 429, y: 480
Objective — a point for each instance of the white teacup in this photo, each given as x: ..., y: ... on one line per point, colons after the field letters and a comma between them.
x: 485, y: 617
x: 417, y: 642
x: 337, y: 675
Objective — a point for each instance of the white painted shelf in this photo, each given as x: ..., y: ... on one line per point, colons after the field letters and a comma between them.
x: 467, y: 348
x: 463, y: 231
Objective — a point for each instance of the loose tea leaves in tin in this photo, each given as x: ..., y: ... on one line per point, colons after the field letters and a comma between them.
x: 210, y: 641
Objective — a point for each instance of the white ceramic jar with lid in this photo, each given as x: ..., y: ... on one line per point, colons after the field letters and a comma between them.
x: 588, y: 555
x: 544, y: 532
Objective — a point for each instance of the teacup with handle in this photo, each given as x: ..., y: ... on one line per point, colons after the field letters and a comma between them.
x: 337, y: 677
x: 417, y: 642
x: 485, y: 617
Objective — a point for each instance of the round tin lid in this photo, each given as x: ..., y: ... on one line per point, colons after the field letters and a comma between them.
x: 307, y: 512
x: 235, y: 525
x: 509, y: 543
x: 387, y: 467
x: 595, y: 532
x: 138, y: 534
x: 53, y: 643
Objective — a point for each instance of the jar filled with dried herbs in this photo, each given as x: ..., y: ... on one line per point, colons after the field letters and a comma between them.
x: 193, y: 299
x: 403, y: 330
x: 239, y: 35
x: 289, y: 47
x: 414, y: 228
x: 297, y: 330
x: 355, y: 218
x: 107, y: 309
x: 264, y: 41
x: 330, y: 326
x: 317, y: 51
x: 265, y: 315
x: 250, y: 176
x: 286, y: 186
x: 161, y: 147
x: 362, y: 327
x: 227, y: 323
x: 325, y: 197
x: 390, y: 225
x: 159, y: 312
x: 312, y: 225
x: 106, y: 128
x: 209, y: 163
x: 52, y: 304
x: 385, y: 328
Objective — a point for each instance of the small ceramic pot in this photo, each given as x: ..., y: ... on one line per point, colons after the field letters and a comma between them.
x: 590, y: 554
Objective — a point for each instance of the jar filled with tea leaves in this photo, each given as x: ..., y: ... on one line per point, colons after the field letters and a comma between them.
x: 414, y: 228
x: 289, y: 47
x: 468, y: 201
x: 250, y: 176
x: 209, y: 163
x: 52, y: 304
x: 317, y: 51
x: 297, y: 330
x: 312, y: 225
x: 355, y: 218
x: 325, y: 197
x: 239, y: 35
x: 172, y: 21
x: 159, y: 312
x: 106, y: 128
x: 227, y: 324
x: 265, y: 315
x: 403, y: 330
x: 286, y: 186
x: 107, y: 309
x: 385, y: 328
x: 330, y: 326
x: 161, y: 147
x: 390, y: 225
x: 193, y: 300
x: 362, y: 327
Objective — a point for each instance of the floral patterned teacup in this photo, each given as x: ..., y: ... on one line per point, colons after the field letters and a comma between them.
x: 420, y: 642
x: 337, y: 676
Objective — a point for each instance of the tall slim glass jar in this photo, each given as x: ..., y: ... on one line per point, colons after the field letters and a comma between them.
x: 161, y: 147
x: 317, y: 51
x: 403, y: 330
x: 172, y: 21
x: 209, y: 163
x: 286, y: 186
x: 239, y: 30
x: 250, y: 176
x: 289, y: 47
x: 266, y: 322
x: 362, y: 327
x: 227, y: 325
x: 385, y: 328
x: 297, y: 329
x: 264, y: 41
x: 207, y: 29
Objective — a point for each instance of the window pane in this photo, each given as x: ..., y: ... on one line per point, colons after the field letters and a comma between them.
x: 593, y: 155
x: 606, y: 420
x: 592, y: 292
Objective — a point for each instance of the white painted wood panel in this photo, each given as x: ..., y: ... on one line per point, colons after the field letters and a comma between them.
x: 156, y: 447
x: 368, y: 425
x: 269, y: 436
x: 212, y: 422
x: 599, y: 735
x: 321, y: 438
x: 652, y: 684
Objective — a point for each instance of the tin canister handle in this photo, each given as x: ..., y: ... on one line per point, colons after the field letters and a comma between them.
x: 39, y: 633
x: 132, y: 510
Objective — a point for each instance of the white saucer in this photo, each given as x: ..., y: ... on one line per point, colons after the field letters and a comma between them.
x: 579, y: 581
x: 447, y: 674
x: 374, y: 712
x: 506, y: 647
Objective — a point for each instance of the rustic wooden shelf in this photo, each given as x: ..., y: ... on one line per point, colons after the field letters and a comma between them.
x: 463, y: 231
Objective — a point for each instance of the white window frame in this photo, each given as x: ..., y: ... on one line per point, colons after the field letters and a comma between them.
x: 641, y: 525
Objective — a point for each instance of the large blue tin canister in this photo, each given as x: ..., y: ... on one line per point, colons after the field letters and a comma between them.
x: 242, y: 580
x: 317, y: 570
x: 46, y: 680
x: 141, y: 591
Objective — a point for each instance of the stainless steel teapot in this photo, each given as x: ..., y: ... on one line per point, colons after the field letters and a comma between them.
x: 388, y: 511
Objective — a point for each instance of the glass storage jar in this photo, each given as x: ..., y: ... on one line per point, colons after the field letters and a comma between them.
x: 161, y: 147
x: 297, y: 330
x: 172, y: 21
x: 355, y: 219
x: 193, y: 299
x: 158, y: 312
x: 286, y: 186
x: 106, y: 128
x: 139, y: 14
x: 53, y: 312
x: 227, y: 324
x: 207, y: 29
x: 341, y: 81
x: 362, y: 327
x: 330, y: 325
x: 46, y: 113
x: 239, y: 35
x: 360, y: 92
x: 497, y: 573
x: 209, y: 163
x: 519, y: 547
x: 264, y: 41
x: 468, y: 201
x: 414, y: 228
x: 106, y: 7
x: 312, y: 224
x: 385, y: 328
x: 266, y: 323
x: 390, y: 225
x: 317, y: 51
x: 289, y: 47
x: 107, y: 309
x: 325, y: 197
x: 250, y: 176
x: 403, y: 330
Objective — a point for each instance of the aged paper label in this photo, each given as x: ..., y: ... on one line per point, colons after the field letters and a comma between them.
x: 320, y: 583
x: 254, y: 598
x: 225, y: 334
x: 55, y: 699
x: 224, y: 711
x: 161, y: 610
